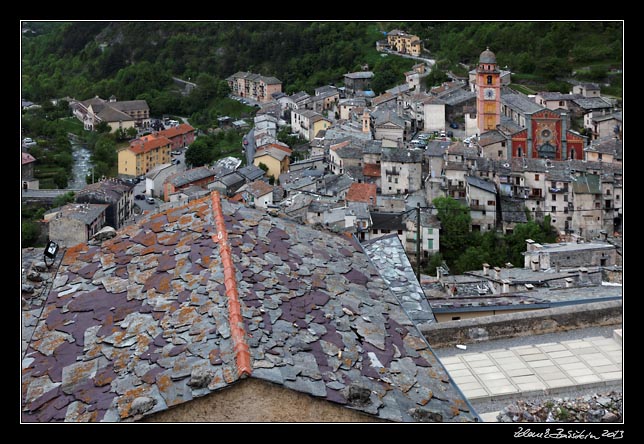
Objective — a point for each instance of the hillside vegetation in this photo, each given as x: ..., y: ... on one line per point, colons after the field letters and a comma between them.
x: 138, y: 59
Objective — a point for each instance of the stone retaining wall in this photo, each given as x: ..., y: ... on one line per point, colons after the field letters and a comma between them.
x: 551, y: 320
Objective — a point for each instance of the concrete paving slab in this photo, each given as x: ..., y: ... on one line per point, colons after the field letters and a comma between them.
x: 585, y: 351
x: 491, y: 377
x: 566, y: 360
x: 470, y: 386
x: 579, y: 372
x: 598, y: 362
x: 561, y: 382
x: 489, y: 416
x: 586, y: 379
x: 480, y: 364
x: 528, y: 351
x: 550, y: 347
x: 518, y: 372
x: 501, y: 354
x: 611, y: 376
x: 560, y: 354
x: 542, y: 363
x: 476, y: 393
x: 461, y: 372
x: 451, y: 360
x: 617, y: 336
x: 525, y: 379
x: 502, y: 389
x: 464, y: 379
x: 534, y: 357
x: 475, y: 357
x: 531, y: 386
x: 574, y: 366
x: 574, y: 344
x: 487, y: 369
x: 456, y: 366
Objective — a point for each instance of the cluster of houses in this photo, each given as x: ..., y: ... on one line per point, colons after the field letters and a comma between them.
x: 519, y: 159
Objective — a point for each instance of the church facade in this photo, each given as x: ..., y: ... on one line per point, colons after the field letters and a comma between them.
x: 530, y: 129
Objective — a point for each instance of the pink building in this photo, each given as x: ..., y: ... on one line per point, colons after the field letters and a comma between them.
x: 254, y: 86
x: 180, y: 136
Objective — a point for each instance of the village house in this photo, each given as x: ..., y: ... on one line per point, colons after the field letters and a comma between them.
x: 588, y: 205
x: 294, y: 101
x: 228, y: 185
x: 344, y: 155
x: 481, y: 198
x: 569, y: 254
x: 27, y: 181
x: 275, y: 157
x: 401, y: 171
x: 257, y: 193
x: 347, y: 106
x: 584, y: 105
x: 251, y: 173
x: 494, y: 145
x: 404, y: 43
x: 180, y: 136
x: 75, y: 223
x: 587, y: 90
x: 117, y: 114
x: 555, y: 100
x: 429, y: 233
x: 362, y: 192
x: 253, y: 86
x: 201, y: 177
x: 389, y: 127
x: 156, y: 177
x: 603, y: 125
x: 221, y: 367
x: 113, y: 192
x: 143, y: 154
x: 357, y: 81
x: 433, y: 114
x: 308, y: 123
x: 415, y: 75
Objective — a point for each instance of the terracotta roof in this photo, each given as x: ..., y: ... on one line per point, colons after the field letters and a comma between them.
x: 362, y: 192
x: 337, y: 146
x: 27, y: 158
x: 148, y: 143
x: 175, y: 131
x: 190, y: 300
x: 371, y: 170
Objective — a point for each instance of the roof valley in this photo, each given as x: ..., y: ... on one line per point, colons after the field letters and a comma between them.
x: 240, y: 346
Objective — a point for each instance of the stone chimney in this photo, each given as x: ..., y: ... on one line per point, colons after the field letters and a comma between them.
x: 583, y: 275
x: 506, y: 285
x: 508, y: 265
x: 529, y: 287
x: 497, y: 273
x: 534, y: 264
x: 530, y: 245
x: 486, y: 268
x: 569, y: 282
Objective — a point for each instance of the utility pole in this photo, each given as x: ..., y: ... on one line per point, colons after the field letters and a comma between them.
x: 418, y: 242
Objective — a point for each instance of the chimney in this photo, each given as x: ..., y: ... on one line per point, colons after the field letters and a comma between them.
x: 557, y: 268
x: 506, y: 285
x: 569, y: 282
x: 583, y: 275
x: 508, y: 265
x: 497, y: 272
x: 486, y: 268
x: 534, y: 264
x: 529, y: 287
x: 530, y: 246
x: 438, y: 273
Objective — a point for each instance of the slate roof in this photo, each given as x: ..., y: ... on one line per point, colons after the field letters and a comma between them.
x: 129, y: 105
x: 481, y: 184
x: 397, y: 155
x: 459, y: 148
x: 387, y: 221
x: 105, y: 191
x: 521, y: 103
x: 609, y: 145
x: 251, y: 172
x: 272, y: 152
x: 86, y: 213
x: 111, y: 114
x: 359, y: 75
x: 436, y: 148
x: 189, y: 176
x: 586, y: 184
x: 389, y: 116
x: 592, y: 102
x: 491, y: 137
x: 259, y: 188
x: 192, y: 299
x: 388, y: 255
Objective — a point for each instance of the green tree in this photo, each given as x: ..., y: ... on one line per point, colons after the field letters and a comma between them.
x: 471, y: 259
x: 435, y: 261
x: 436, y: 77
x: 455, y: 227
x: 63, y: 199
x: 102, y: 127
x: 61, y: 179
x: 263, y: 166
x: 29, y: 233
x: 200, y: 152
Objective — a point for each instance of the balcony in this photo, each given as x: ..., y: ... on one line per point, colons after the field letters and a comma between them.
x: 557, y: 190
x: 392, y: 173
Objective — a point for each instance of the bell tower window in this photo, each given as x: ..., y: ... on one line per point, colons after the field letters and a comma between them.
x: 489, y: 80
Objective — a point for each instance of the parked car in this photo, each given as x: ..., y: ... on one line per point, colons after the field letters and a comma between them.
x: 150, y: 200
x: 176, y: 161
x: 450, y: 134
x: 453, y: 125
x: 139, y: 197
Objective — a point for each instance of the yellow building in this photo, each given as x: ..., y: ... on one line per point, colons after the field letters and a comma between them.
x: 275, y: 157
x: 144, y: 154
x: 404, y: 43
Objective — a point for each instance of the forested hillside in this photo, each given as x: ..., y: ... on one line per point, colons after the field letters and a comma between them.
x: 131, y: 59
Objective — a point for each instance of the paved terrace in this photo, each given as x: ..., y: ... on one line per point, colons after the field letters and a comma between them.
x: 534, y: 369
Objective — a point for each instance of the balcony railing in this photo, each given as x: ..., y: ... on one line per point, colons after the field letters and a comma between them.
x: 392, y: 172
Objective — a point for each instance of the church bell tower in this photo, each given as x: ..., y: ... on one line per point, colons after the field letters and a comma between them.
x: 488, y: 96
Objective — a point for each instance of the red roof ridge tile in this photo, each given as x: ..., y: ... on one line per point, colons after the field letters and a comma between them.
x: 240, y: 346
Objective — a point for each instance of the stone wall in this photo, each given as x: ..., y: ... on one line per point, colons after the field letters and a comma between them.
x: 551, y: 320
x: 254, y: 400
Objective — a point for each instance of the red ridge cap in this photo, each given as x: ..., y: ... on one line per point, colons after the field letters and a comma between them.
x: 240, y: 346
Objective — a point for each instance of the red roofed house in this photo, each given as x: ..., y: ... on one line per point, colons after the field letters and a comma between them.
x: 143, y: 154
x: 362, y: 192
x: 259, y: 193
x: 371, y: 173
x: 27, y: 177
x: 180, y: 136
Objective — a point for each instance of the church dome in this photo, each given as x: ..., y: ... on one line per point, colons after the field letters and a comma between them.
x: 487, y: 56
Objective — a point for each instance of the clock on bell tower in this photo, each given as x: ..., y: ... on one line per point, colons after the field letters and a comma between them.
x: 488, y: 98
